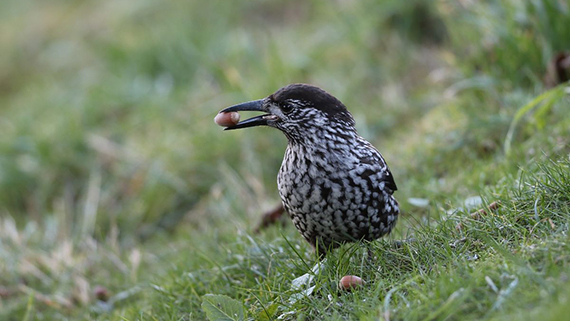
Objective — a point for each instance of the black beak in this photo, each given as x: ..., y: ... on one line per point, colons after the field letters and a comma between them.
x: 255, y: 105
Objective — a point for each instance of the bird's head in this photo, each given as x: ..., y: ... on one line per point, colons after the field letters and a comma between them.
x: 298, y: 110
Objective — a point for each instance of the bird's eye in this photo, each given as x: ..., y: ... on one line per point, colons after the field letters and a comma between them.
x: 286, y: 108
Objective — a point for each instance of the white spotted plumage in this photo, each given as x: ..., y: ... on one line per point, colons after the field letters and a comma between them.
x: 335, y: 185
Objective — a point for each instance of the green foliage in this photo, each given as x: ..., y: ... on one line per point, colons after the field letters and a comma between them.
x: 547, y: 99
x: 510, y: 40
x: 222, y: 308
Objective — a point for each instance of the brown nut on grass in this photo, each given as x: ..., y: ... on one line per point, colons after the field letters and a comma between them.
x: 349, y: 282
x: 101, y: 293
x: 227, y: 119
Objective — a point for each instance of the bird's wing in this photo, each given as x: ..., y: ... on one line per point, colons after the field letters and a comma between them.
x: 375, y: 159
x: 389, y: 180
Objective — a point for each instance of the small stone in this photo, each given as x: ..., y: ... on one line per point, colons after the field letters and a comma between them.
x: 349, y: 282
x: 227, y: 119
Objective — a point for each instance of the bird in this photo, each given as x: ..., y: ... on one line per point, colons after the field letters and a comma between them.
x: 334, y: 184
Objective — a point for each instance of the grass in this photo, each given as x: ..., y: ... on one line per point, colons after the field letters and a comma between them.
x: 120, y: 199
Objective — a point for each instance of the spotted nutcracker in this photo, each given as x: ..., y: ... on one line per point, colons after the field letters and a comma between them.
x: 334, y: 184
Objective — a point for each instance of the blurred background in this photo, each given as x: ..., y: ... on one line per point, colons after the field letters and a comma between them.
x: 108, y: 147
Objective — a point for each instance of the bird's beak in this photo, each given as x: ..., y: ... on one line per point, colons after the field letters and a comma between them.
x: 255, y: 105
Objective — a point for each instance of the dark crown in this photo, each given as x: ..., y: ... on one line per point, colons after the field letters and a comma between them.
x: 312, y: 96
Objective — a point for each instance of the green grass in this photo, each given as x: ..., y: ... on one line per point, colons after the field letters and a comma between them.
x: 113, y: 177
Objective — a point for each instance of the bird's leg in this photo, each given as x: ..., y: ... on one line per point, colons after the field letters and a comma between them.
x: 369, y: 253
x: 270, y: 218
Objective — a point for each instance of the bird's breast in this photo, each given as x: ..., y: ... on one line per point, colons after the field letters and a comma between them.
x: 336, y: 194
x: 309, y: 179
